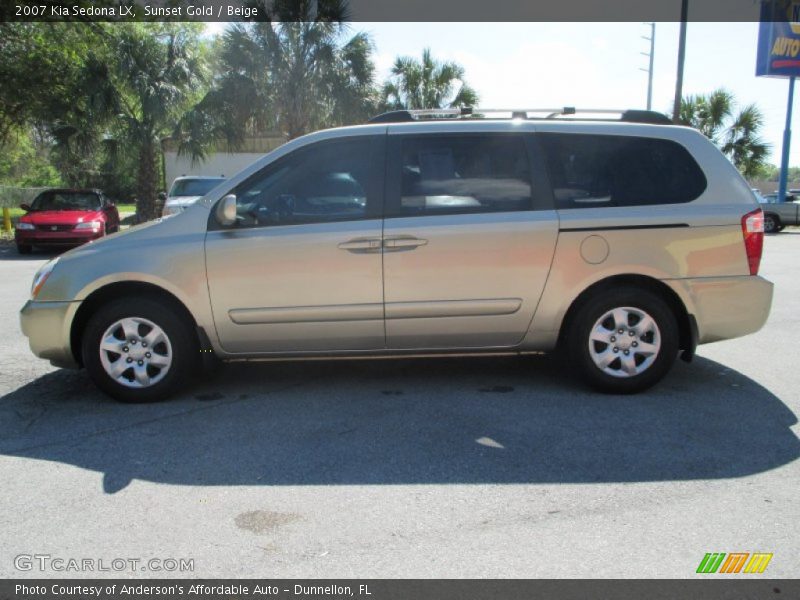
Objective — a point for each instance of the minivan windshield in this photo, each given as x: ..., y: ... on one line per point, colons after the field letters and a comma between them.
x: 54, y: 200
x: 194, y: 187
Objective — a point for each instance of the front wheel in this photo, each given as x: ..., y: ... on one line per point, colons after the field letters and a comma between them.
x: 139, y: 350
x: 24, y: 248
x: 623, y: 340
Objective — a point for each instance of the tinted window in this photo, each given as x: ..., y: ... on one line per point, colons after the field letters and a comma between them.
x: 194, y: 187
x: 464, y: 174
x: 605, y: 170
x: 66, y: 201
x: 325, y: 182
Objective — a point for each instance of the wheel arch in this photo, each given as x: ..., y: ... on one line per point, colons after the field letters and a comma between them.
x: 122, y: 289
x: 686, y: 327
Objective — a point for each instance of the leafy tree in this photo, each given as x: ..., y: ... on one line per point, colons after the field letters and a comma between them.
x: 295, y: 73
x: 426, y: 83
x: 25, y: 160
x: 736, y: 134
x: 52, y: 131
x: 39, y: 64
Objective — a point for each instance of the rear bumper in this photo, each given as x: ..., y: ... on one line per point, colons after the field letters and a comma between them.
x: 47, y: 327
x: 725, y: 307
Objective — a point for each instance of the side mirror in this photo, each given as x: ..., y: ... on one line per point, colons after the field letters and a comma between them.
x: 226, y: 210
x: 25, y: 207
x: 162, y: 196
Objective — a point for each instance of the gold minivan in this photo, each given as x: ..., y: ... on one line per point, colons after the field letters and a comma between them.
x: 625, y: 242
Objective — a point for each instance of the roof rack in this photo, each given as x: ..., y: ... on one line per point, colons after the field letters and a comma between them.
x: 567, y: 112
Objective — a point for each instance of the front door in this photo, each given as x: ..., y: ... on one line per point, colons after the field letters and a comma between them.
x: 469, y: 237
x: 301, y: 270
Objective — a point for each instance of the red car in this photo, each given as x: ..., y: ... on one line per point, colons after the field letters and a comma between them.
x: 65, y: 218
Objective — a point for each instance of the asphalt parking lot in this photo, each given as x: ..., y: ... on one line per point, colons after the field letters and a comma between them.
x: 409, y: 468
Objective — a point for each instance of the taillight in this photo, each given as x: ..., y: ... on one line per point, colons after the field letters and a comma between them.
x: 753, y: 232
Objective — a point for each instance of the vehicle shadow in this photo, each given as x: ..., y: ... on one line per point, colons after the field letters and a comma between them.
x: 8, y: 251
x: 455, y: 420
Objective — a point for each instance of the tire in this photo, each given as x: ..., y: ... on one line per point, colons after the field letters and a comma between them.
x: 651, y: 351
x: 24, y: 248
x: 772, y: 224
x: 127, y: 325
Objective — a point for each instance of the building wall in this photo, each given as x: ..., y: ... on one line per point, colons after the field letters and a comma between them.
x: 222, y: 162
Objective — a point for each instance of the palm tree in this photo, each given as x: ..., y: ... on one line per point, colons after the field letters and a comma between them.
x: 708, y: 113
x: 139, y: 85
x: 427, y: 83
x: 295, y: 73
x: 737, y: 135
x: 742, y: 143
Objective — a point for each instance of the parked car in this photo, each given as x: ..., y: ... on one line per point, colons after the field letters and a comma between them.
x: 64, y: 218
x: 767, y: 198
x: 777, y: 215
x: 185, y: 191
x: 622, y: 243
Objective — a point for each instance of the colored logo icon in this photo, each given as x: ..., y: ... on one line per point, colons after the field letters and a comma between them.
x: 735, y: 562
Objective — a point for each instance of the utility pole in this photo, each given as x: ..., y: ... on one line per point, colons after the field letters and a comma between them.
x: 649, y: 69
x: 676, y: 107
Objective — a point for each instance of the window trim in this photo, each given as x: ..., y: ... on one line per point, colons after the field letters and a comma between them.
x: 373, y: 187
x: 541, y: 195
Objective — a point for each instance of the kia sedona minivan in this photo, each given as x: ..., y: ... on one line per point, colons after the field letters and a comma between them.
x: 625, y: 243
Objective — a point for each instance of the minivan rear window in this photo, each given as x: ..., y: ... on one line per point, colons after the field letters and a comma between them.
x: 589, y: 171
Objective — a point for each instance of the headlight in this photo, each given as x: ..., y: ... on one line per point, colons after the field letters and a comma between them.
x: 26, y: 226
x: 41, y: 276
x: 93, y: 225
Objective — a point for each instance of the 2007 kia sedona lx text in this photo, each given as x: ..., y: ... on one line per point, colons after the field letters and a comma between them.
x: 624, y: 242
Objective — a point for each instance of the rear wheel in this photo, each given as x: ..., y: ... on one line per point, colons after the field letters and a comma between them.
x: 772, y: 224
x: 139, y: 350
x: 24, y: 248
x: 623, y: 340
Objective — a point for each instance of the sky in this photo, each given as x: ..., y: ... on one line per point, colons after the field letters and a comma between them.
x: 592, y: 65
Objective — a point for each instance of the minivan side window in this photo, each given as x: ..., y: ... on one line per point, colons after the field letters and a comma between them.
x: 327, y: 181
x: 588, y: 171
x: 455, y: 174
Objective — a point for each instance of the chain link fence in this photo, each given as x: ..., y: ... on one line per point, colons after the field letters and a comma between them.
x: 12, y: 197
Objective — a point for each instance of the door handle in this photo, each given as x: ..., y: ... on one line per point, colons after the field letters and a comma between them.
x: 361, y: 245
x: 402, y: 242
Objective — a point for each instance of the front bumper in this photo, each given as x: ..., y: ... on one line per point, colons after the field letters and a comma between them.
x: 40, y: 237
x: 726, y: 307
x: 47, y: 327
